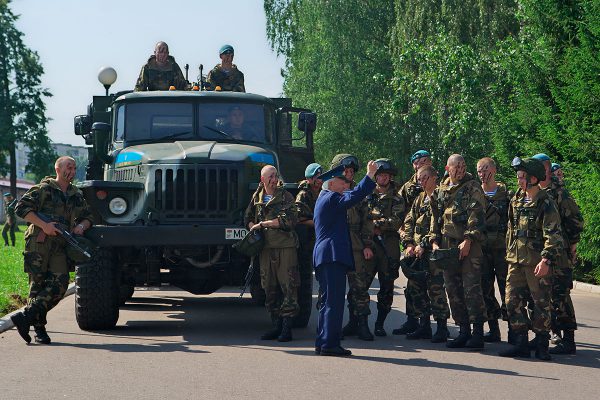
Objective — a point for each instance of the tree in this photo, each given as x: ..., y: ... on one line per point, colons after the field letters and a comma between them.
x: 22, y: 109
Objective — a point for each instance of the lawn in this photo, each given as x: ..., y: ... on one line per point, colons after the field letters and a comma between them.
x: 13, y: 281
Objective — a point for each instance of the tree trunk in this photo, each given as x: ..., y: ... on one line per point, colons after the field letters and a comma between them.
x: 12, y: 154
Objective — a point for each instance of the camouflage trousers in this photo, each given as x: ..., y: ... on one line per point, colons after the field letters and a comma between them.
x: 463, y: 284
x: 6, y: 230
x: 494, y: 268
x: 428, y: 296
x: 522, y: 283
x: 359, y: 282
x: 563, y: 312
x: 46, y: 265
x: 386, y: 272
x: 280, y: 279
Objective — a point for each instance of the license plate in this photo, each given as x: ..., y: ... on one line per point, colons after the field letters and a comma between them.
x: 235, y: 233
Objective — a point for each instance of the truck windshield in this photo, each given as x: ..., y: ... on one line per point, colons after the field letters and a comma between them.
x: 137, y: 122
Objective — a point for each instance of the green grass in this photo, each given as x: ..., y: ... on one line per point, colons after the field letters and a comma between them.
x: 14, y: 284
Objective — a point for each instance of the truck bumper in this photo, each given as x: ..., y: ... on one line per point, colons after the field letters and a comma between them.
x: 165, y: 235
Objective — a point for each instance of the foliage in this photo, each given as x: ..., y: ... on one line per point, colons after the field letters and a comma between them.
x: 13, y: 281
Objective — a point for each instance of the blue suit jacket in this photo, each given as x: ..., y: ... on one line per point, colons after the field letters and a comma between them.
x: 331, y: 224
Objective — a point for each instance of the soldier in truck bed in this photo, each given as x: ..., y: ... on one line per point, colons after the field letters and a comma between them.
x: 160, y: 72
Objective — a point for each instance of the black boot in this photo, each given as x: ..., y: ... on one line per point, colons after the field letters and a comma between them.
x: 379, y: 330
x: 541, y: 350
x: 23, y: 323
x: 275, y: 331
x: 423, y: 331
x: 363, y: 328
x: 476, y: 341
x: 532, y: 344
x: 441, y: 333
x: 512, y: 336
x: 493, y: 335
x: 351, y: 328
x: 409, y: 326
x: 464, y: 334
x: 41, y: 336
x: 286, y: 330
x: 519, y: 349
x: 566, y: 345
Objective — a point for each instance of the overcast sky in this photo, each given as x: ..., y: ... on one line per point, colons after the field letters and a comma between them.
x: 74, y: 39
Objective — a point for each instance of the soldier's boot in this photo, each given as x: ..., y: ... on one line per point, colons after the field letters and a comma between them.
x: 273, y: 333
x: 441, y: 334
x: 566, y: 345
x: 23, y: 324
x: 493, y: 335
x: 41, y: 336
x: 532, y: 344
x: 423, y: 331
x: 512, y: 336
x: 363, y: 328
x: 381, y: 316
x: 519, y: 349
x: 464, y: 334
x: 286, y: 330
x: 351, y: 328
x: 476, y: 341
x: 409, y: 326
x: 541, y: 350
x: 556, y: 336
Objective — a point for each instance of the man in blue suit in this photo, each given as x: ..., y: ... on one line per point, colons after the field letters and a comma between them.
x: 332, y: 256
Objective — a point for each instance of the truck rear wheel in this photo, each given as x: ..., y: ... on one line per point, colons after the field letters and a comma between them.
x: 97, y: 292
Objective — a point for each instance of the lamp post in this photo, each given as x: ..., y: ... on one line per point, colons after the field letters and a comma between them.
x: 107, y: 76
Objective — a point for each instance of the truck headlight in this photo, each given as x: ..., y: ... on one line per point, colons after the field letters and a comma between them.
x: 117, y: 206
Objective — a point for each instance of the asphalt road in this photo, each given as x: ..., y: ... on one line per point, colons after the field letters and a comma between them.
x: 171, y: 344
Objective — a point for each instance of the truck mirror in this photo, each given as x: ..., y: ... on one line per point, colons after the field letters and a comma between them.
x: 307, y: 122
x: 101, y: 132
x: 82, y: 125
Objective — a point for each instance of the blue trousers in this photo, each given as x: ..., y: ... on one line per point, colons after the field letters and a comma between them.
x: 332, y: 288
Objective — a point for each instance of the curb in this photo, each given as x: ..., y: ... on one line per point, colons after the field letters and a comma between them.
x: 586, y: 287
x: 6, y: 323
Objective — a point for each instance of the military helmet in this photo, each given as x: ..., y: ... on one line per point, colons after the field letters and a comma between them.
x: 555, y: 167
x: 385, y: 165
x: 531, y: 166
x: 347, y: 160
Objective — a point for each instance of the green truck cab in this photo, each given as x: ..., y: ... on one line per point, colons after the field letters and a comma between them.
x: 169, y: 176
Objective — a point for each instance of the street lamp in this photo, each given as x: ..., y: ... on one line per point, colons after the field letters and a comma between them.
x: 107, y: 76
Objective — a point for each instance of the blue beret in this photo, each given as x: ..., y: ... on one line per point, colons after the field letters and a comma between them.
x: 332, y: 173
x: 7, y: 194
x: 419, y: 154
x: 312, y: 170
x: 555, y: 166
x: 541, y: 157
x: 226, y: 48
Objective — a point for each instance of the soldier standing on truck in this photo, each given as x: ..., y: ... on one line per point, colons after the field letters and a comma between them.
x: 11, y: 219
x: 45, y: 255
x: 160, y: 72
x: 273, y: 210
x: 226, y: 75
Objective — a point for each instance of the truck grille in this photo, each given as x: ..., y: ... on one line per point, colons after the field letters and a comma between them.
x: 196, y: 192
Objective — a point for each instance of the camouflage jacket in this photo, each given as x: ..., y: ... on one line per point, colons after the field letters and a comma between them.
x: 281, y: 207
x: 69, y: 208
x: 9, y: 210
x: 232, y: 81
x: 534, y: 230
x: 154, y: 78
x: 410, y: 191
x: 418, y: 221
x: 570, y: 216
x: 496, y: 217
x: 387, y: 210
x: 305, y: 201
x: 459, y: 212
x: 361, y: 227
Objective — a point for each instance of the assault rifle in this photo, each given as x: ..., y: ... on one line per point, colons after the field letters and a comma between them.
x: 248, y: 277
x: 70, y: 239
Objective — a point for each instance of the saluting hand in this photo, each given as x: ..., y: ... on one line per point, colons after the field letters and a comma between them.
x: 371, y: 169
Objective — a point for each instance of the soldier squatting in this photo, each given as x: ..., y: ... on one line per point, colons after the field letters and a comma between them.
x: 454, y: 238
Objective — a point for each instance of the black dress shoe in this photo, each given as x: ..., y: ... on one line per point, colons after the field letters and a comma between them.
x: 335, y: 352
x: 317, y: 350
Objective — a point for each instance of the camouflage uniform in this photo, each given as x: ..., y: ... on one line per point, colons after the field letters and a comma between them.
x: 459, y: 215
x: 279, y: 259
x: 410, y: 191
x: 11, y: 222
x: 563, y: 317
x: 429, y: 295
x: 230, y: 81
x: 534, y: 233
x: 45, y: 257
x: 153, y: 77
x: 494, y: 265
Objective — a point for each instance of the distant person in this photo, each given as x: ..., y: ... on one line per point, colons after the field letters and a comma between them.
x: 557, y: 171
x: 160, y: 72
x: 11, y: 219
x: 226, y: 75
x: 238, y: 128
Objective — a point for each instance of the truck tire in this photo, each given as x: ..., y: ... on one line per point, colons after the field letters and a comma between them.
x: 97, y: 292
x: 125, y: 293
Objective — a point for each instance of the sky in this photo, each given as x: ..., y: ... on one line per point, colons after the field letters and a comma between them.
x: 75, y: 38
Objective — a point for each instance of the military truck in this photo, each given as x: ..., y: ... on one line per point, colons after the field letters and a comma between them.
x: 169, y: 176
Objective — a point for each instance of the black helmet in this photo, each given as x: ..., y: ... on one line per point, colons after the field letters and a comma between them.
x: 347, y: 160
x: 385, y: 165
x: 531, y: 166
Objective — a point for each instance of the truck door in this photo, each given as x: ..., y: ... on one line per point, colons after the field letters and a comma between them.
x: 295, y: 127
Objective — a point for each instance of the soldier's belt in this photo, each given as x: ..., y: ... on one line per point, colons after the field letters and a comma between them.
x: 526, y: 233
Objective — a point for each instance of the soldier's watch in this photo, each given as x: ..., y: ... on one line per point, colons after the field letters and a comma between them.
x: 546, y: 261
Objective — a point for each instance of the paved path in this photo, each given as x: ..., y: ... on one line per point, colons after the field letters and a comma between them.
x: 171, y: 344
